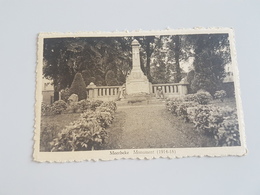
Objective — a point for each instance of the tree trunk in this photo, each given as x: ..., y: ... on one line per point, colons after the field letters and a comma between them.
x: 148, y: 72
x: 56, y: 91
x: 177, y: 51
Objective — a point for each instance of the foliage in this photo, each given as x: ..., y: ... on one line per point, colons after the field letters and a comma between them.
x: 203, y: 97
x: 190, y: 97
x: 84, y: 105
x: 108, y: 105
x: 65, y: 94
x: 78, y: 87
x: 82, y: 134
x: 73, y: 107
x: 48, y: 133
x: 182, y: 110
x: 212, y: 53
x: 46, y: 109
x: 95, y: 104
x: 173, y: 104
x: 86, y: 133
x: 111, y: 78
x: 220, y: 95
x: 218, y: 122
x: 221, y: 123
x: 160, y: 56
x: 59, y: 106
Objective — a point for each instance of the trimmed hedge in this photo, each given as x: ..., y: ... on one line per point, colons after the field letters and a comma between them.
x: 78, y: 87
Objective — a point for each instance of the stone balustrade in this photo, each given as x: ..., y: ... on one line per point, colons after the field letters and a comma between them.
x: 102, y: 92
x: 170, y: 89
x: 106, y: 93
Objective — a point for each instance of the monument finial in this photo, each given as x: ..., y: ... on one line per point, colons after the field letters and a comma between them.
x: 135, y: 43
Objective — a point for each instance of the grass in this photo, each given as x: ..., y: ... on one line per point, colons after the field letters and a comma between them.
x: 152, y: 127
x: 51, y: 127
x: 138, y: 127
x: 230, y: 102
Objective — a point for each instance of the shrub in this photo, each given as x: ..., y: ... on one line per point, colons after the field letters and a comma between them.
x: 95, y: 104
x: 48, y: 134
x: 73, y: 107
x: 65, y: 94
x: 173, y: 103
x: 109, y: 105
x: 220, y: 95
x: 82, y: 134
x: 190, y: 97
x: 78, y: 87
x: 228, y: 134
x: 221, y: 123
x: 182, y: 110
x: 46, y: 109
x: 203, y: 97
x: 84, y: 105
x: 88, y: 132
x: 59, y: 106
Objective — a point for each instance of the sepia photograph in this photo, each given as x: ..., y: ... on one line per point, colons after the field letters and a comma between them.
x: 137, y: 95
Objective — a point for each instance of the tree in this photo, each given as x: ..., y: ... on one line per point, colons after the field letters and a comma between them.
x: 94, y: 57
x: 54, y: 68
x: 78, y: 87
x: 179, y: 51
x: 111, y: 78
x: 159, y: 67
x: 212, y: 53
x: 148, y: 45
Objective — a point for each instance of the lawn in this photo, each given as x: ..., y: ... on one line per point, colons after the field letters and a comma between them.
x: 138, y: 127
x: 230, y: 102
x: 51, y: 127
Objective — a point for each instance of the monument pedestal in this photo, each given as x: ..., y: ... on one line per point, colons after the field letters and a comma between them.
x: 137, y: 82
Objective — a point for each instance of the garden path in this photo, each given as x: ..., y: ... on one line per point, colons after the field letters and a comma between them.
x: 152, y: 126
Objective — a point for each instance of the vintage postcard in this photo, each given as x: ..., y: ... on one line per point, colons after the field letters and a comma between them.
x: 137, y: 95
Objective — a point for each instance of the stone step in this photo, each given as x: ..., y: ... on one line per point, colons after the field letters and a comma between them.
x: 140, y: 101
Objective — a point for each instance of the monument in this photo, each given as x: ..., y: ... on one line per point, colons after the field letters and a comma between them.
x: 137, y: 82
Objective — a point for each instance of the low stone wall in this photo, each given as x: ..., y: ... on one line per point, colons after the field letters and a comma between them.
x: 105, y: 93
x: 112, y: 93
x: 171, y: 89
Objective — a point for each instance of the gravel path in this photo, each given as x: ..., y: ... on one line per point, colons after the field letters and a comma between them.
x: 152, y: 126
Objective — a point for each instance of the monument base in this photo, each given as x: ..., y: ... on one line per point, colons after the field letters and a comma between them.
x: 138, y: 87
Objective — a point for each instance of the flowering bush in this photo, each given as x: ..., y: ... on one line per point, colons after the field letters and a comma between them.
x: 109, y: 105
x: 65, y: 94
x: 46, y: 109
x: 88, y: 132
x: 220, y: 95
x: 173, y: 103
x: 183, y: 110
x: 83, y: 105
x: 95, y: 104
x: 190, y: 97
x: 228, y: 133
x: 221, y: 123
x: 203, y: 97
x: 82, y: 134
x: 218, y: 122
x: 48, y: 134
x: 59, y: 106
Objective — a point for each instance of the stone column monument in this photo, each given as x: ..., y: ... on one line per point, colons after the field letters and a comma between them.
x: 137, y: 82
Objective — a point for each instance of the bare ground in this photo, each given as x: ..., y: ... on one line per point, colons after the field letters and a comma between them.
x: 152, y: 126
